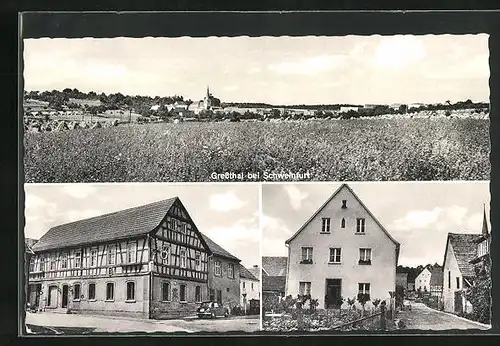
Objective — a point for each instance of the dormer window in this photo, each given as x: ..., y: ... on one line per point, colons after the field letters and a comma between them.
x: 344, y: 204
x: 325, y: 225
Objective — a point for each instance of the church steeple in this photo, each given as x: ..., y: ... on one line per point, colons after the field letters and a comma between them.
x: 208, y: 91
x: 485, y: 223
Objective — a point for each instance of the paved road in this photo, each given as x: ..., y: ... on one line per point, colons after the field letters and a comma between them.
x: 424, y: 318
x: 112, y: 324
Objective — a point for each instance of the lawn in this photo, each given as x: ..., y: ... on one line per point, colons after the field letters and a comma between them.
x: 346, y: 150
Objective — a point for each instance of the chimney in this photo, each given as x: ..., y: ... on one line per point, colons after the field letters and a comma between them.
x: 256, y: 266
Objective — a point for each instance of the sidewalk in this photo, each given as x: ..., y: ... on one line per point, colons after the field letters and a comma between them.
x: 479, y: 324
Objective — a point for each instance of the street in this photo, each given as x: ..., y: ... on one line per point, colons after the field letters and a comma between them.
x: 78, y: 324
x: 424, y: 318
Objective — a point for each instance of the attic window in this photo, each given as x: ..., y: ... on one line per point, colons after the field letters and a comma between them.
x: 344, y: 204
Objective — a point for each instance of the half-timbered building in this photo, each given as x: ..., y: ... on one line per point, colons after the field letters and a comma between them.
x: 149, y: 261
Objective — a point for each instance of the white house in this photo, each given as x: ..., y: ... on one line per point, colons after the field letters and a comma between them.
x: 458, y: 272
x: 249, y: 287
x: 348, y: 108
x: 342, y: 251
x: 423, y: 281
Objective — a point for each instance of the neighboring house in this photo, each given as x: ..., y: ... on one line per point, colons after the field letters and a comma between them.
x: 482, y: 262
x: 458, y: 272
x: 273, y: 279
x: 249, y: 287
x: 149, y: 261
x: 436, y: 282
x: 223, y: 276
x: 256, y: 271
x: 28, y: 254
x: 340, y: 252
x: 423, y: 281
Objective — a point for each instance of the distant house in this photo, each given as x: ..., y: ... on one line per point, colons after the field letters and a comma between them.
x: 249, y: 287
x: 342, y: 251
x: 273, y: 278
x: 458, y: 272
x: 344, y: 109
x: 436, y: 282
x: 423, y: 281
x: 415, y: 105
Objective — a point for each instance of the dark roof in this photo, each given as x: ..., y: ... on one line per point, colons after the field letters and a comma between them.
x: 217, y: 250
x: 274, y: 283
x: 245, y: 273
x: 464, y: 248
x: 255, y: 270
x: 118, y: 225
x: 436, y: 276
x: 274, y: 266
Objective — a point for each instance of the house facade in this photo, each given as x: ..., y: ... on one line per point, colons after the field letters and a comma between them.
x: 340, y: 252
x: 423, y: 281
x: 249, y: 287
x: 458, y: 272
x: 149, y: 261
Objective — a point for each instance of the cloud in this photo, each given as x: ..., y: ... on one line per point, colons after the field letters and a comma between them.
x: 437, y: 218
x: 399, y: 51
x: 311, y: 65
x: 295, y: 195
x: 34, y: 206
x: 75, y: 215
x: 253, y: 70
x: 225, y: 202
x: 79, y: 190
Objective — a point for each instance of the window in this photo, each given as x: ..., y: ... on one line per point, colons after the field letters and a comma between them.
x: 360, y: 225
x: 165, y: 291
x: 93, y: 258
x: 304, y: 288
x: 197, y: 259
x: 78, y: 259
x: 307, y: 254
x: 110, y: 291
x: 227, y: 289
x: 335, y: 255
x: 64, y: 261
x: 243, y: 284
x: 111, y: 255
x: 344, y: 204
x: 364, y: 288
x: 183, y: 258
x: 342, y: 223
x: 182, y: 293
x: 217, y: 268
x: 52, y: 263
x: 197, y: 294
x: 449, y: 279
x: 230, y: 270
x: 251, y: 284
x: 325, y: 226
x: 131, y: 253
x: 183, y: 228
x: 130, y: 291
x: 165, y: 254
x: 42, y: 264
x: 32, y: 264
x: 76, y: 291
x: 365, y: 256
x: 91, y: 291
x: 458, y: 283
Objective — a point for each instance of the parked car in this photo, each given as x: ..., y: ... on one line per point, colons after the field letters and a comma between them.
x: 212, y: 310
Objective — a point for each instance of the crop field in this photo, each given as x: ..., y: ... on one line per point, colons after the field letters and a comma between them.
x: 347, y: 150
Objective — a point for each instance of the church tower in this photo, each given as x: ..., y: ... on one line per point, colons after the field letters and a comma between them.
x: 207, y: 104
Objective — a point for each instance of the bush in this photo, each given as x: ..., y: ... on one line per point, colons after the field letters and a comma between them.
x: 479, y: 296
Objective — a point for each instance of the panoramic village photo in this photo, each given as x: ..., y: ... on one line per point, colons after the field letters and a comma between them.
x: 216, y: 109
x: 141, y: 258
x: 376, y: 256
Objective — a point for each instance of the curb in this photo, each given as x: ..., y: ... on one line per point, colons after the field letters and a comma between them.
x: 461, y: 318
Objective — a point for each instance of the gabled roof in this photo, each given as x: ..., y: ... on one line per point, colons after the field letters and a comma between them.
x: 246, y: 274
x: 274, y: 266
x: 273, y: 283
x: 423, y: 270
x: 464, y: 248
x: 360, y: 202
x: 122, y: 224
x: 255, y: 270
x: 217, y: 250
x: 436, y: 276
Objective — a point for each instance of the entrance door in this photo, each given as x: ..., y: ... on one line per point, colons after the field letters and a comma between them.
x: 52, y: 299
x: 333, y: 293
x: 65, y: 296
x: 38, y: 289
x: 219, y: 296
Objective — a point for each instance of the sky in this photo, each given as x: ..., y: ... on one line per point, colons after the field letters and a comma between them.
x: 415, y: 214
x: 226, y: 213
x: 277, y: 70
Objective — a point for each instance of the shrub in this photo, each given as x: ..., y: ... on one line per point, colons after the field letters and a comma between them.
x: 479, y: 296
x: 351, y: 302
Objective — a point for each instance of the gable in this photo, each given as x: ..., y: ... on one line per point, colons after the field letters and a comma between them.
x: 462, y: 248
x: 332, y: 208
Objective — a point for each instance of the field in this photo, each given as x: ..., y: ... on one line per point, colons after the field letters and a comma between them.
x: 347, y: 150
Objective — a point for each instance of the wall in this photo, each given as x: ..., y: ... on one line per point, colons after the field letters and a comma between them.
x: 381, y: 274
x: 230, y: 287
x: 252, y: 293
x: 449, y: 291
x: 173, y: 308
x: 139, y: 307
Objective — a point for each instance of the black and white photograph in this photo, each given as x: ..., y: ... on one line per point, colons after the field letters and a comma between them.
x: 386, y: 256
x: 217, y: 109
x: 142, y: 258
